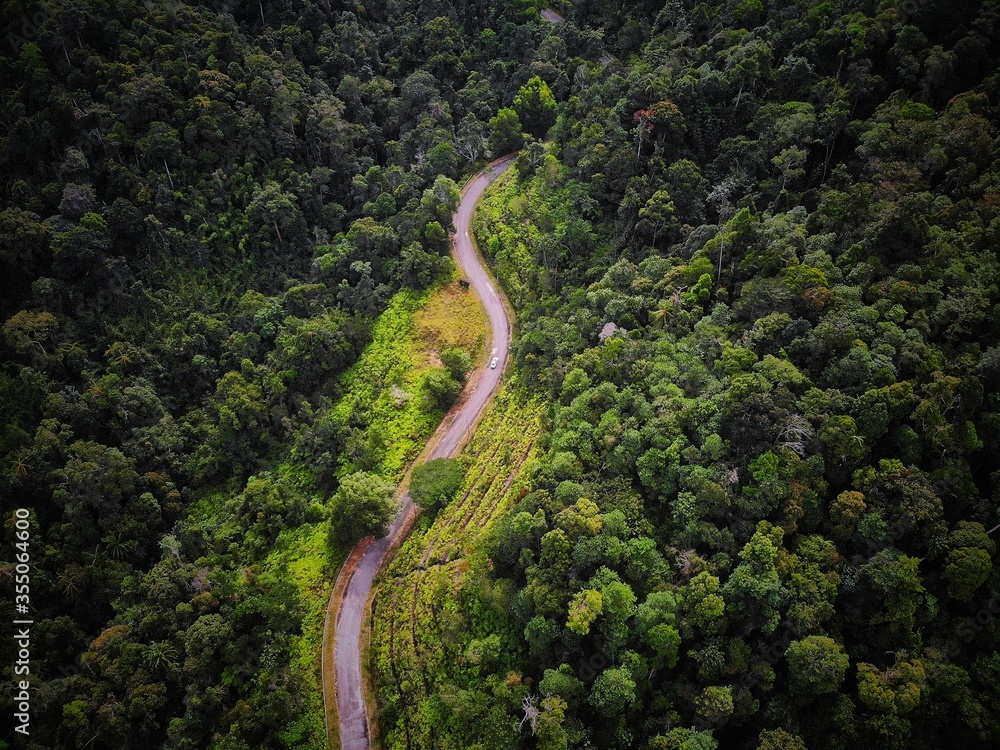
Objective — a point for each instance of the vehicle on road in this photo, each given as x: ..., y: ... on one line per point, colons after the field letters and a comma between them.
x: 493, y: 364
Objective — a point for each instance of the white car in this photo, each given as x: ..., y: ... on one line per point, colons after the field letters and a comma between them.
x: 494, y: 363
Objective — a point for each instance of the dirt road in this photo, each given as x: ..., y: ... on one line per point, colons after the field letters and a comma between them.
x: 450, y: 436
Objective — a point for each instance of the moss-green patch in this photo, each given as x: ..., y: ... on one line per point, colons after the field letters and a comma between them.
x: 452, y: 317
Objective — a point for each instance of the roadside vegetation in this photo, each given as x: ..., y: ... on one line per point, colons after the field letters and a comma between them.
x: 437, y: 626
x: 395, y: 395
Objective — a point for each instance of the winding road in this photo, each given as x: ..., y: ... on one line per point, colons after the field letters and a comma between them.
x: 447, y: 440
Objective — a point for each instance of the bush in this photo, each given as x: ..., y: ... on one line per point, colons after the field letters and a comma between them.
x: 433, y: 484
x: 440, y: 389
x: 361, y: 506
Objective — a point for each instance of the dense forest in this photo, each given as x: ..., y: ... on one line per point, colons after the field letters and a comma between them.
x: 753, y: 252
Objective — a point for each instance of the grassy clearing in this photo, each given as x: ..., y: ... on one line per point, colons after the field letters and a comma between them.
x: 425, y: 636
x: 453, y: 317
x: 383, y: 390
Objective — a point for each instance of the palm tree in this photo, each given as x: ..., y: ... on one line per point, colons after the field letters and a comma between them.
x: 161, y: 654
x: 663, y: 314
x: 69, y: 581
x: 22, y: 469
x: 118, y: 546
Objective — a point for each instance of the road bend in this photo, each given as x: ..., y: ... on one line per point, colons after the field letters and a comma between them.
x: 450, y: 436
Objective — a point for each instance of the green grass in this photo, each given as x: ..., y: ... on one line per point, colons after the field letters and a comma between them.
x: 452, y: 317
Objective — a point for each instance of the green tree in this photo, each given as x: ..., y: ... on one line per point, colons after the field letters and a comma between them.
x: 790, y: 162
x: 754, y: 589
x: 899, y: 590
x: 434, y: 483
x: 440, y: 201
x: 22, y: 242
x: 161, y: 144
x: 30, y: 332
x: 272, y: 205
x: 658, y: 215
x: 362, y: 505
x: 457, y: 361
x: 563, y: 683
x: 702, y: 604
x: 688, y: 190
x: 440, y: 389
x: 895, y: 690
x: 80, y: 250
x: 540, y: 633
x: 966, y: 571
x: 549, y: 730
x: 969, y: 561
x: 239, y: 404
x: 585, y: 607
x: 536, y: 107
x: 506, y: 133
x: 684, y: 738
x: 715, y: 703
x: 845, y: 512
x: 612, y: 692
x: 656, y: 619
x: 811, y: 579
x: 618, y: 608
x: 779, y: 739
x: 816, y: 664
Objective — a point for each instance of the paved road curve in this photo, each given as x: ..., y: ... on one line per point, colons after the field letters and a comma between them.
x: 450, y: 437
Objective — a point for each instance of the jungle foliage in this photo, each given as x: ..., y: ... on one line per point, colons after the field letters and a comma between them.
x: 753, y: 251
x: 207, y: 212
x: 756, y: 275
